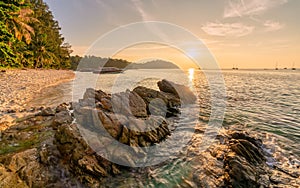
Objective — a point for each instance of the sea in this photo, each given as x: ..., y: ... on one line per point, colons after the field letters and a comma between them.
x: 265, y: 103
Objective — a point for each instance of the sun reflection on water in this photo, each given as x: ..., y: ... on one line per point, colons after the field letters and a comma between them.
x: 191, y: 74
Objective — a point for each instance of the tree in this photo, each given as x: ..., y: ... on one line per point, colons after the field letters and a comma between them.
x: 15, y: 16
x: 48, y: 44
x: 30, y: 37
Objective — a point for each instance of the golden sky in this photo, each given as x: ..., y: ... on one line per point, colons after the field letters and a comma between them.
x: 242, y: 33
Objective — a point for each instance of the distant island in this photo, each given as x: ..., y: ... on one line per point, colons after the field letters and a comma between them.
x: 94, y: 63
x: 155, y: 64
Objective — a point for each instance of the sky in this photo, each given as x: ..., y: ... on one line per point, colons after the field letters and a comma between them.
x: 240, y: 33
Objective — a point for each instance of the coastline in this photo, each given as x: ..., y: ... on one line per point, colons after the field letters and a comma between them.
x: 18, y: 87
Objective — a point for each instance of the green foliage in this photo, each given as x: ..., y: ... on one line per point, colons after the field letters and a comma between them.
x: 30, y: 37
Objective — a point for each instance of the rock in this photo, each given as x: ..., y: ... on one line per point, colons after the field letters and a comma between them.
x: 180, y: 91
x: 129, y: 103
x: 10, y: 179
x: 168, y: 87
x: 240, y: 172
x: 106, y: 104
x: 62, y: 118
x: 248, y: 150
x: 88, y: 167
x: 149, y: 94
x: 11, y: 111
x: 100, y: 95
x: 47, y: 112
x: 245, y: 162
x: 62, y: 107
x: 89, y: 93
x: 91, y: 165
x: 158, y: 102
x: 245, y: 136
x: 137, y: 105
x: 113, y: 129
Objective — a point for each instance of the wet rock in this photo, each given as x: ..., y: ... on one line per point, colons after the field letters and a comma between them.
x: 245, y: 162
x: 245, y: 136
x: 240, y: 172
x: 248, y: 150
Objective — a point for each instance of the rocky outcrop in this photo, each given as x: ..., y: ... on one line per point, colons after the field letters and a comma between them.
x: 68, y: 146
x: 28, y: 156
x: 48, y: 148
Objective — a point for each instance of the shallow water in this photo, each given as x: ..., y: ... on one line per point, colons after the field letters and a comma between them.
x: 265, y: 103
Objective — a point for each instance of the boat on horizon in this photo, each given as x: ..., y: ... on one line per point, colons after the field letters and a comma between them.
x: 104, y: 70
x: 276, y: 67
x: 293, y: 67
x: 235, y: 68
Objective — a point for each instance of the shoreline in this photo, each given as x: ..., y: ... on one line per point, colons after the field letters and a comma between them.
x: 18, y: 87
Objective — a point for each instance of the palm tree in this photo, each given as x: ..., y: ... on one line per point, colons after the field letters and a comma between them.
x: 18, y: 22
x: 17, y: 16
x: 44, y: 58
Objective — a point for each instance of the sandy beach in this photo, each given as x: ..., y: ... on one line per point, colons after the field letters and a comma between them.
x: 17, y: 87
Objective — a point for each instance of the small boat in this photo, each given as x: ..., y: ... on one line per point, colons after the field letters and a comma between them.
x: 276, y: 68
x: 293, y: 67
x: 86, y: 70
x: 235, y: 68
x: 104, y: 70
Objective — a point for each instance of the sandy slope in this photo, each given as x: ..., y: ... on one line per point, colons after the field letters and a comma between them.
x: 19, y: 86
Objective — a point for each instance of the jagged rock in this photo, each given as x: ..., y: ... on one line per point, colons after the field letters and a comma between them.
x: 88, y: 167
x: 113, y: 129
x: 157, y: 101
x: 245, y: 162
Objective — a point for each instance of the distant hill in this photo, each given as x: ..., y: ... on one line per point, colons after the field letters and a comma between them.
x: 155, y: 64
x: 93, y: 62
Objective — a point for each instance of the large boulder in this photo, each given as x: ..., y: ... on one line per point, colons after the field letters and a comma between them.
x: 182, y: 92
x: 128, y: 103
